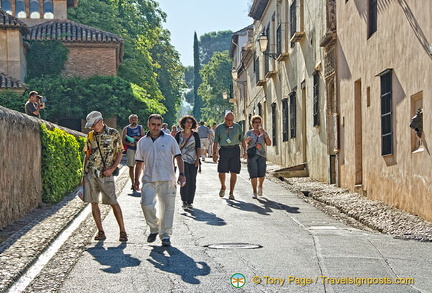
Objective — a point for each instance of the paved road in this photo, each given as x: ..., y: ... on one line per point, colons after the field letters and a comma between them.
x: 301, y: 249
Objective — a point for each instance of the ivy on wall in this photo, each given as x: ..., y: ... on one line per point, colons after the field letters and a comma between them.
x: 61, y: 163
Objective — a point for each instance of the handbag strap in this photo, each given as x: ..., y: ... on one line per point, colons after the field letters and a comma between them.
x: 103, y: 161
x: 187, y: 140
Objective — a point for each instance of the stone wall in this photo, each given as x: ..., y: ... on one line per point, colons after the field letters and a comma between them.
x: 20, y: 164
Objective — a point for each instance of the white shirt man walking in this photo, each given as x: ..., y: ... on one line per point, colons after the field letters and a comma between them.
x: 155, y: 153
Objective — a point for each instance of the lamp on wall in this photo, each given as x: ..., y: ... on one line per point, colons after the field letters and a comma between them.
x: 224, y: 95
x: 234, y: 74
x: 263, y: 43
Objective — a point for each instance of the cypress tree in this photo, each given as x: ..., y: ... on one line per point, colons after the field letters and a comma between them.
x: 197, y: 80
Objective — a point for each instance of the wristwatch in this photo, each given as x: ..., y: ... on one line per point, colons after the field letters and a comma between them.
x: 182, y: 174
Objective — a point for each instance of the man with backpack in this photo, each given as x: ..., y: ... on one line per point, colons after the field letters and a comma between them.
x: 130, y: 137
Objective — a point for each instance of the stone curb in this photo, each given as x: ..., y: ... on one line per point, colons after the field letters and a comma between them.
x: 19, y: 251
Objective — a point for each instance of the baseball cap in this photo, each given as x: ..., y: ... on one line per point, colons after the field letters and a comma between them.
x: 93, y: 117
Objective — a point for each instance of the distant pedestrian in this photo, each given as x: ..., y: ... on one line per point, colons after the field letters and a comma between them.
x: 34, y: 104
x: 256, y: 140
x: 229, y: 136
x: 155, y: 152
x: 165, y: 128
x: 189, y: 143
x: 130, y: 137
x: 174, y: 130
x: 211, y: 139
x: 103, y: 152
x: 204, y: 134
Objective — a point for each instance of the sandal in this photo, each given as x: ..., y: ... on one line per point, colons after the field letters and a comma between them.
x: 123, y: 236
x: 100, y: 236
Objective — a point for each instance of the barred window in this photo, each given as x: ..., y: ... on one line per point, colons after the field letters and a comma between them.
x: 293, y: 115
x: 316, y: 120
x: 386, y: 114
x: 273, y: 106
x: 285, y: 119
x: 372, y: 17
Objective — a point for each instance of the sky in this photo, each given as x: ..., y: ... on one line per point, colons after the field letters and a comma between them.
x: 184, y: 17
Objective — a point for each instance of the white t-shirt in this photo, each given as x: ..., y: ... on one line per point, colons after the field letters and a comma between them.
x: 157, y: 157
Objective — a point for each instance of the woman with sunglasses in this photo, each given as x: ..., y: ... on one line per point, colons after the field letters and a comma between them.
x: 256, y: 139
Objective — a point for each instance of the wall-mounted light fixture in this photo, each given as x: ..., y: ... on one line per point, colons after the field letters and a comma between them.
x: 234, y: 74
x: 263, y: 43
x: 224, y: 95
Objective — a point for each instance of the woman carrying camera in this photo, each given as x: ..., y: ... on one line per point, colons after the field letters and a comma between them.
x: 256, y: 139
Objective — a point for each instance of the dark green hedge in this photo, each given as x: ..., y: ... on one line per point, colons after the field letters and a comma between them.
x: 61, y: 163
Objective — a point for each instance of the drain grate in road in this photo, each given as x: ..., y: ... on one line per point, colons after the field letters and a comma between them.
x: 233, y: 246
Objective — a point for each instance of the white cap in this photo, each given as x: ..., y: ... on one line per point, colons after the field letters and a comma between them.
x: 92, y: 117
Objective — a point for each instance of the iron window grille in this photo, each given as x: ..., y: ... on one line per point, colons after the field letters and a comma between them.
x: 316, y: 120
x: 285, y: 119
x: 386, y: 114
x: 292, y: 97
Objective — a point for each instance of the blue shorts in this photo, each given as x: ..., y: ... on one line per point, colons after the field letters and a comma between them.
x: 229, y: 160
x: 256, y: 166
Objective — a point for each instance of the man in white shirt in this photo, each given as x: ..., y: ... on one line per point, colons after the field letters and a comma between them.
x: 155, y: 153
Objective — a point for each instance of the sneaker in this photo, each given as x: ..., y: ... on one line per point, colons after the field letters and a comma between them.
x: 254, y: 196
x: 166, y: 242
x: 222, y: 193
x: 185, y: 205
x: 190, y: 206
x: 260, y: 191
x: 100, y: 236
x: 231, y: 197
x: 152, y: 237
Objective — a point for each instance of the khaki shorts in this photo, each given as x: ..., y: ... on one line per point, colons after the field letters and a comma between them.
x: 96, y: 186
x: 204, y: 143
x: 130, y: 158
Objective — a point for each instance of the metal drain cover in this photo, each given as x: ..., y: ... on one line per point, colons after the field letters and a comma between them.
x: 233, y: 246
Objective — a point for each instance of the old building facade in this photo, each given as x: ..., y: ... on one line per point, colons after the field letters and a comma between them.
x: 337, y: 85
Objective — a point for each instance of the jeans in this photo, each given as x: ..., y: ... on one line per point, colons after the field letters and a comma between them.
x: 187, y: 192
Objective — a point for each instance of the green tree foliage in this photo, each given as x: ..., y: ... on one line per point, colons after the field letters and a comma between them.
x: 150, y: 61
x: 76, y: 97
x: 169, y: 75
x: 197, y: 80
x: 46, y: 58
x: 14, y: 101
x: 61, y: 163
x: 212, y: 42
x: 216, y: 77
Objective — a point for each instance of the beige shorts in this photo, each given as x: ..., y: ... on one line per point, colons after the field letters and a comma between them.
x: 130, y: 158
x: 96, y: 186
x: 204, y: 143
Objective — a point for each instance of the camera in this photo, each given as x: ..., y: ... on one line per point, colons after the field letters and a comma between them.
x: 42, y: 99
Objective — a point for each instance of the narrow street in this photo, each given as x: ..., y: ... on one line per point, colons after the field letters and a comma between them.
x: 278, y: 243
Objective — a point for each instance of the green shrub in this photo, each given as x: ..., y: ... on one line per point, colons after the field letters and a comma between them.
x: 61, y: 163
x: 14, y: 101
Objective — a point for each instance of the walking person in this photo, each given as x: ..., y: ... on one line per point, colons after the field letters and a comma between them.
x: 229, y: 136
x: 155, y: 152
x: 130, y: 137
x: 256, y: 139
x: 204, y: 134
x: 211, y: 139
x: 103, y: 152
x: 189, y: 143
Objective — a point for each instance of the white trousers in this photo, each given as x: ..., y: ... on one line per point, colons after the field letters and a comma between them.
x: 165, y: 192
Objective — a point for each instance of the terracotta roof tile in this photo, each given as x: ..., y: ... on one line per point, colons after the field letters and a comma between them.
x: 9, y: 21
x: 8, y: 82
x: 71, y: 31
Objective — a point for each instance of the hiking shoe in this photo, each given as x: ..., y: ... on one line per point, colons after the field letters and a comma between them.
x: 231, y: 197
x: 152, y: 237
x: 100, y: 236
x: 260, y: 191
x: 222, y: 193
x: 166, y: 242
x: 254, y: 196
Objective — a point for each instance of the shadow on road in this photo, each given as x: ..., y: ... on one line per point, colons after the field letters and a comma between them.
x: 203, y: 216
x: 113, y: 257
x: 267, y: 207
x: 278, y: 206
x: 172, y: 260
